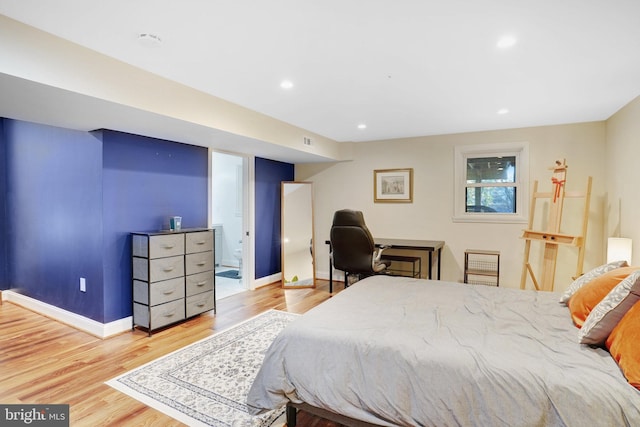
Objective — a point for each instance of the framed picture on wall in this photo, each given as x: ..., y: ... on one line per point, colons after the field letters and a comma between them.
x: 393, y: 185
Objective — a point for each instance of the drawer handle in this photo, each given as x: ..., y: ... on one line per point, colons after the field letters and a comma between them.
x: 170, y: 314
x: 200, y: 304
x: 167, y: 246
x: 201, y: 263
x: 201, y: 242
x: 204, y: 282
x: 169, y: 292
x: 168, y: 269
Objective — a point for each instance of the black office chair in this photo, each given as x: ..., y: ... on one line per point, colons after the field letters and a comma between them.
x: 352, y: 247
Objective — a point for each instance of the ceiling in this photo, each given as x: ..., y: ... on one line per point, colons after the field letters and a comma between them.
x: 403, y: 68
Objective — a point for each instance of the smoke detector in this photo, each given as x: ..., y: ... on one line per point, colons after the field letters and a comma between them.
x: 149, y: 40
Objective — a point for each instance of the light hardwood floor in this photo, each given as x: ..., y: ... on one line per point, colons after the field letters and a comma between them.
x: 44, y: 361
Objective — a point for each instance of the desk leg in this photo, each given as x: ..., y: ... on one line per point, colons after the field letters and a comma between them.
x: 330, y: 275
x: 439, y: 263
x: 431, y: 263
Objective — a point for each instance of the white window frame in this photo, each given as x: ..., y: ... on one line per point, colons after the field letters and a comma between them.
x: 463, y: 152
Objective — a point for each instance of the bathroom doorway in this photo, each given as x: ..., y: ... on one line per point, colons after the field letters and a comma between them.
x: 229, y: 199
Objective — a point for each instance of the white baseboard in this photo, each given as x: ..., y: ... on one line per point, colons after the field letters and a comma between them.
x: 324, y: 275
x: 105, y: 330
x: 230, y: 263
x: 267, y: 280
x: 100, y: 330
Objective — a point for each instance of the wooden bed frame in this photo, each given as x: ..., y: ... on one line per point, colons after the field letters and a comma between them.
x: 292, y: 409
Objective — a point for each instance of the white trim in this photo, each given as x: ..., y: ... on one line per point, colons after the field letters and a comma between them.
x: 100, y: 330
x: 324, y: 275
x: 267, y: 280
x: 248, y: 222
x: 240, y: 181
x: 249, y: 225
x: 521, y: 151
x: 233, y: 263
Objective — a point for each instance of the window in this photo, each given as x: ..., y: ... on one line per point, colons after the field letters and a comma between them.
x: 491, y: 183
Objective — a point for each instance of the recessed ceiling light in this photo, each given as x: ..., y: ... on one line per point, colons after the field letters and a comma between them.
x: 149, y: 40
x: 286, y: 84
x: 362, y: 126
x: 503, y: 111
x: 506, y: 42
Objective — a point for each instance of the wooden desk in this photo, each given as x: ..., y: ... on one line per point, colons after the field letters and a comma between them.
x: 431, y: 246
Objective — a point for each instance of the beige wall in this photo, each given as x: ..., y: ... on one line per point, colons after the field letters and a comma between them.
x: 622, y: 205
x: 350, y: 185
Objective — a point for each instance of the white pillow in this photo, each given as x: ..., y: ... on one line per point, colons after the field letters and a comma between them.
x: 589, y: 276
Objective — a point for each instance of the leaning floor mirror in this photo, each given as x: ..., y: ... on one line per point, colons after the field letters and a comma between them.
x: 298, y: 269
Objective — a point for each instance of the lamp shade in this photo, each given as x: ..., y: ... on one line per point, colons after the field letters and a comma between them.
x: 618, y: 249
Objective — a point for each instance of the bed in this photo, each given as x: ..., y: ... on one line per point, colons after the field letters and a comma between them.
x: 400, y: 351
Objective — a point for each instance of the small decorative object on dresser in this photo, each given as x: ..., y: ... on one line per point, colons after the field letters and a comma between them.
x: 173, y: 276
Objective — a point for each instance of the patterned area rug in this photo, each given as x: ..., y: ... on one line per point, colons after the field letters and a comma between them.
x: 206, y: 383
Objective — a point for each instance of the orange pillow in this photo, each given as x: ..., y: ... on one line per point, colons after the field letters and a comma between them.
x: 588, y: 296
x: 623, y: 345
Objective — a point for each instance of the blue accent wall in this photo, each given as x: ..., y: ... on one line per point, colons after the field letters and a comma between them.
x: 145, y: 181
x: 4, y: 255
x: 73, y: 197
x: 69, y: 199
x: 268, y: 176
x: 54, y: 215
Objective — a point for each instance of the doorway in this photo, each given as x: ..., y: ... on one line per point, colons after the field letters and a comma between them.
x: 229, y: 200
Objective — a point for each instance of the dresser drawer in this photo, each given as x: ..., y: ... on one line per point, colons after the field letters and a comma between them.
x: 161, y: 315
x: 198, y: 283
x: 198, y: 262
x: 200, y: 241
x: 158, y: 269
x: 161, y: 292
x: 166, y: 245
x: 160, y: 246
x: 166, y: 268
x: 200, y: 303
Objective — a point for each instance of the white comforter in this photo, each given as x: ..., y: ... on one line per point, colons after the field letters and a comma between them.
x: 399, y: 351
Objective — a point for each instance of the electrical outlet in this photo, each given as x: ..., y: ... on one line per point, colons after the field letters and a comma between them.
x: 83, y: 284
x: 307, y: 140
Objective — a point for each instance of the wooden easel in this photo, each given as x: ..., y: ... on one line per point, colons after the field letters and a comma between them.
x: 552, y: 237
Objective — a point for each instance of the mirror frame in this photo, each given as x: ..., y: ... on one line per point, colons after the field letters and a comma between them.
x: 283, y: 228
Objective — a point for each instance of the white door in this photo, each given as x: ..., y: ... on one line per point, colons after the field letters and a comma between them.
x: 230, y: 208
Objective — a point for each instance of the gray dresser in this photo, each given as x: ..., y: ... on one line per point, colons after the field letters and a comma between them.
x: 173, y: 276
